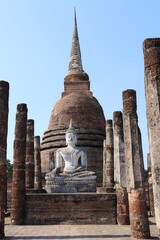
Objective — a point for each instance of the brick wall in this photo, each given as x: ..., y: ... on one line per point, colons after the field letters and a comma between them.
x: 76, y: 208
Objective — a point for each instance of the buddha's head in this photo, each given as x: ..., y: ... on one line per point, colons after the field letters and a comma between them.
x: 71, y: 135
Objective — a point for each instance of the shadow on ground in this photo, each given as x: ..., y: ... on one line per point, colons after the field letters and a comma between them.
x: 67, y: 237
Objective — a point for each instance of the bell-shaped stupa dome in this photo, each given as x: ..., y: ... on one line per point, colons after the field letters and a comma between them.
x: 77, y: 103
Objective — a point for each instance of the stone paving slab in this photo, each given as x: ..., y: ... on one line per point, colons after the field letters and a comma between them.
x: 74, y: 232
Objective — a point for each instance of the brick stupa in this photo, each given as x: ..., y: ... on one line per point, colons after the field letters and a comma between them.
x: 77, y: 103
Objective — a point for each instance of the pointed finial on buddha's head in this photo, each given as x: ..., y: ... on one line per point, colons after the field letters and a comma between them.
x: 71, y: 129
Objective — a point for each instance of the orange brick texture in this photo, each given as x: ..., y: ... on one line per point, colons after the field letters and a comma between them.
x: 138, y: 214
x: 122, y: 205
x: 18, y: 179
x: 29, y: 165
x: 37, y: 164
x: 135, y: 175
x: 79, y: 208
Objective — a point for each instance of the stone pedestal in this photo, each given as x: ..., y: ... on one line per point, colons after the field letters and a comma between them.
x: 70, y: 208
x: 62, y: 185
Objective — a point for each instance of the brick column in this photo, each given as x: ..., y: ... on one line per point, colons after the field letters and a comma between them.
x: 134, y: 167
x: 108, y: 164
x: 138, y: 213
x: 30, y: 154
x: 4, y: 94
x: 150, y: 183
x: 18, y: 180
x: 104, y: 162
x: 146, y: 186
x: 151, y: 49
x: 119, y: 171
x: 37, y: 164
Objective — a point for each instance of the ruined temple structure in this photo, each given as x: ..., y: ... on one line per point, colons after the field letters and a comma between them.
x: 68, y: 200
x: 78, y: 103
x: 113, y: 149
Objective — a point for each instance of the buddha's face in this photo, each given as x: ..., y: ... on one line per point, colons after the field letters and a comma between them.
x: 71, y: 138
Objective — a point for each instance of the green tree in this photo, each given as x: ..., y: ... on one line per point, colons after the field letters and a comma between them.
x: 9, y: 166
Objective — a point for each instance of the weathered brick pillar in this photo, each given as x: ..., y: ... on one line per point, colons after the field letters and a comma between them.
x: 108, y: 164
x: 104, y: 161
x: 18, y: 180
x: 151, y: 49
x: 134, y: 167
x: 37, y: 164
x: 30, y: 154
x: 4, y: 94
x: 146, y: 186
x: 119, y: 171
x: 151, y: 199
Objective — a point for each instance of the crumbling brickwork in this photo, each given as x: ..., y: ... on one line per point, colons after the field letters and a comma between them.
x: 18, y: 179
x: 29, y: 165
x: 134, y: 167
x: 119, y: 170
x: 108, y: 163
x: 37, y: 164
x: 79, y: 208
x: 151, y: 49
x: 150, y: 186
x: 138, y: 214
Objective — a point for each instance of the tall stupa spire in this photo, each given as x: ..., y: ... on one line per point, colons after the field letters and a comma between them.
x: 75, y: 64
x: 76, y: 78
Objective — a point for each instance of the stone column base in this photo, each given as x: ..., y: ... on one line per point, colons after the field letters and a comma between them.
x: 138, y: 214
x: 122, y: 205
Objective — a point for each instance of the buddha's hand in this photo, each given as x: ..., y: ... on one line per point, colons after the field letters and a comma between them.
x: 79, y: 169
x: 52, y: 174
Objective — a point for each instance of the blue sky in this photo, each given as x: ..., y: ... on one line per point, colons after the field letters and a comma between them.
x: 35, y: 43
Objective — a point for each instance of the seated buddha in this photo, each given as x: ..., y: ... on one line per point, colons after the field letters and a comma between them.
x: 75, y: 163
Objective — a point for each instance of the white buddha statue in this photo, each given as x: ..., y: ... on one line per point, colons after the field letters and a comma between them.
x: 75, y: 160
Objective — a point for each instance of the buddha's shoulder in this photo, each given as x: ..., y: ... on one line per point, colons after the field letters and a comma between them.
x: 61, y: 150
x: 79, y: 149
x: 67, y: 150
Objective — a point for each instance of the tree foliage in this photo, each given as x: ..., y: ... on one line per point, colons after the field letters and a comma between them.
x: 9, y: 166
